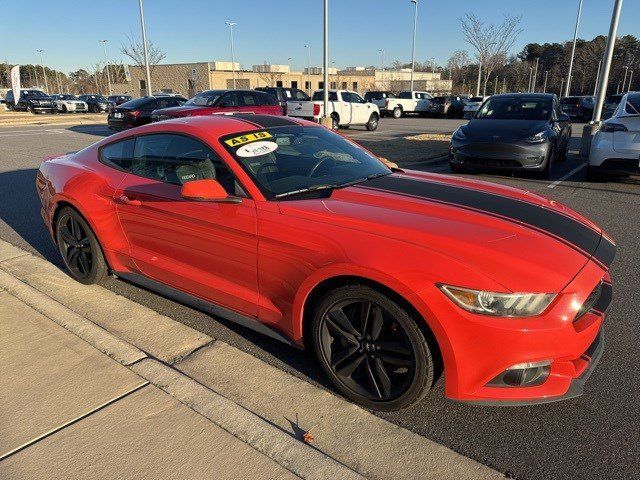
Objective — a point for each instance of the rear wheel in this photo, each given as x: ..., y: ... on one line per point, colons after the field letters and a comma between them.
x: 79, y: 248
x: 335, y: 122
x: 397, y: 112
x: 372, y: 124
x: 371, y: 348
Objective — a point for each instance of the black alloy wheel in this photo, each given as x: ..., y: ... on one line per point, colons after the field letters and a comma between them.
x: 79, y: 248
x: 372, y: 349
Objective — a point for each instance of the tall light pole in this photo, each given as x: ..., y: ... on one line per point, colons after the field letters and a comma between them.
x: 144, y: 48
x: 308, y: 47
x: 624, y: 81
x: 382, y: 80
x: 535, y: 76
x: 530, y: 77
x: 58, y: 80
x: 413, y: 48
x: 479, y: 77
x: 106, y: 63
x: 561, y: 87
x: 567, y: 87
x: 589, y: 130
x: 233, y: 56
x: 44, y: 74
x: 595, y: 87
x: 630, y: 80
x: 325, y: 63
x: 546, y: 77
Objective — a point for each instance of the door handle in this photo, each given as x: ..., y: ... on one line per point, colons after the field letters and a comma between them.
x: 124, y: 200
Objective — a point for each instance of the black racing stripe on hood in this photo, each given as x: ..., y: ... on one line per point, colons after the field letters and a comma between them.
x: 265, y: 121
x: 572, y: 232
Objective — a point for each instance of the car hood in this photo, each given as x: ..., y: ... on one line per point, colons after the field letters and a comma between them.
x: 485, y: 130
x: 523, y: 241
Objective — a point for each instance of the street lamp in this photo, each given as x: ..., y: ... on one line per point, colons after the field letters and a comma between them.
x: 546, y: 77
x: 413, y: 49
x: 567, y: 87
x: 595, y: 87
x: 624, y: 81
x: 233, y: 57
x: 535, y: 76
x: 46, y: 84
x: 144, y: 48
x: 382, y: 52
x: 308, y: 69
x: 106, y: 63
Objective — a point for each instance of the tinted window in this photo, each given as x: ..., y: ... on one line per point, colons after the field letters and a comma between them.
x: 299, y: 95
x: 230, y: 99
x: 632, y: 107
x: 266, y: 99
x: 404, y: 95
x: 207, y: 98
x: 516, y: 108
x: 177, y: 159
x: 319, y: 95
x: 119, y: 154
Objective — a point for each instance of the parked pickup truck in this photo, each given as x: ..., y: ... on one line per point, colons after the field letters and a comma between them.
x: 409, y: 102
x: 345, y: 109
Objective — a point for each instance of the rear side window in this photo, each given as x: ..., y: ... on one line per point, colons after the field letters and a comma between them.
x: 266, y: 99
x: 319, y: 95
x: 299, y: 94
x: 118, y: 154
x: 404, y: 95
x: 633, y: 104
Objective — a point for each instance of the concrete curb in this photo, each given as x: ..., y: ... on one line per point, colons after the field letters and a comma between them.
x: 52, y: 120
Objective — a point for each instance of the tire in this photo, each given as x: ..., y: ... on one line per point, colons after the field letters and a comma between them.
x: 372, y: 124
x: 31, y: 110
x: 64, y: 109
x: 81, y: 253
x: 397, y: 112
x: 593, y: 175
x: 379, y: 378
x: 455, y: 168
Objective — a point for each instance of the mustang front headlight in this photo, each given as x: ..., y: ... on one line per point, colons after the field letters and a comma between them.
x: 537, y: 138
x: 498, y: 304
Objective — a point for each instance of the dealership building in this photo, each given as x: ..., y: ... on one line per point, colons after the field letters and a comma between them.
x: 191, y: 78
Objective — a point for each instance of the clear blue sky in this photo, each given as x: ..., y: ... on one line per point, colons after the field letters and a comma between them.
x: 274, y: 30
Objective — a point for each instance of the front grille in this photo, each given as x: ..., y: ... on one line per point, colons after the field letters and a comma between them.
x: 491, y: 162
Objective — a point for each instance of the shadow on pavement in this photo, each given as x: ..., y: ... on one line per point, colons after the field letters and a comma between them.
x: 98, y: 130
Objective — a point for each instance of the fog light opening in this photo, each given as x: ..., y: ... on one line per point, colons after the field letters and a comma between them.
x: 529, y: 374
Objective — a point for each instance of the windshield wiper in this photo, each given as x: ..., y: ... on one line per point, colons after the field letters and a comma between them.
x: 313, y: 188
x: 363, y: 179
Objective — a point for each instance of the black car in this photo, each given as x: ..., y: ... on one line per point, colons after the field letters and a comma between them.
x: 451, y: 106
x: 578, y: 108
x: 610, y: 105
x: 284, y: 94
x: 95, y: 103
x: 524, y: 131
x: 137, y: 112
x: 34, y: 101
x: 118, y: 99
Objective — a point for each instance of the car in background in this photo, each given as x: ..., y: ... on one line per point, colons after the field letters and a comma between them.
x: 64, y: 103
x: 472, y: 106
x: 389, y: 277
x: 379, y: 98
x: 610, y: 105
x: 138, y: 111
x: 414, y: 101
x: 118, y: 99
x: 515, y: 131
x: 212, y: 102
x: 579, y: 108
x: 95, y: 103
x: 615, y: 148
x: 346, y: 108
x: 32, y: 100
x: 284, y: 94
x: 451, y: 106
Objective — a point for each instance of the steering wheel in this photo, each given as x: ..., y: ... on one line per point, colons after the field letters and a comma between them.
x: 329, y: 161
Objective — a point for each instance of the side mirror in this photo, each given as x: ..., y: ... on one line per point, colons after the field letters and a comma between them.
x: 207, y: 190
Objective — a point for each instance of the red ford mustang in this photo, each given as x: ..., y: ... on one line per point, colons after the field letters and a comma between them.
x: 390, y: 276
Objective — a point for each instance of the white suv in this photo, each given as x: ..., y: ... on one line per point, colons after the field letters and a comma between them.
x: 615, y: 148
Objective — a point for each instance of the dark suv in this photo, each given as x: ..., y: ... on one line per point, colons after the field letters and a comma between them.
x: 95, y: 103
x: 578, y: 108
x: 284, y: 94
x: 34, y: 101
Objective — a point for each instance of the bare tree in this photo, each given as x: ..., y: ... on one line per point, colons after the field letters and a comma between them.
x: 135, y: 51
x: 491, y: 42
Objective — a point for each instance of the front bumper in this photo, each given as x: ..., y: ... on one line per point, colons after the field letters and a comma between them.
x: 480, y: 348
x: 499, y: 154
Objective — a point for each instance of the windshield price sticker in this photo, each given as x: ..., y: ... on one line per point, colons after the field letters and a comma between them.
x: 246, y: 138
x: 256, y: 149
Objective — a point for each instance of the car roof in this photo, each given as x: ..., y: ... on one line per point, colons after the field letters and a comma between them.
x: 522, y: 95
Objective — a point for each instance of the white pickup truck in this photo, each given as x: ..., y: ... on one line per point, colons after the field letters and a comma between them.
x: 408, y: 102
x: 346, y: 108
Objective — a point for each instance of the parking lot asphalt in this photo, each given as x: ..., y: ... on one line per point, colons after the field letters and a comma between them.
x: 595, y: 436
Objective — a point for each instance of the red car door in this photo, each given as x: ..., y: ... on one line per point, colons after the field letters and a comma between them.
x: 202, y: 248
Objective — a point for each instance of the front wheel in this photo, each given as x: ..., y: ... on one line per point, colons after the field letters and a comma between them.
x: 371, y: 348
x: 79, y: 248
x: 372, y: 124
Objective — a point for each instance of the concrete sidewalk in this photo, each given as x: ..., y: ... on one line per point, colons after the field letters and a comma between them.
x: 69, y: 411
x: 96, y: 385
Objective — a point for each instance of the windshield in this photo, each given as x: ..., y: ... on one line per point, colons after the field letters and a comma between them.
x: 205, y: 98
x: 632, y: 107
x: 476, y: 99
x: 34, y: 93
x: 570, y: 101
x: 287, y: 161
x: 516, y: 108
